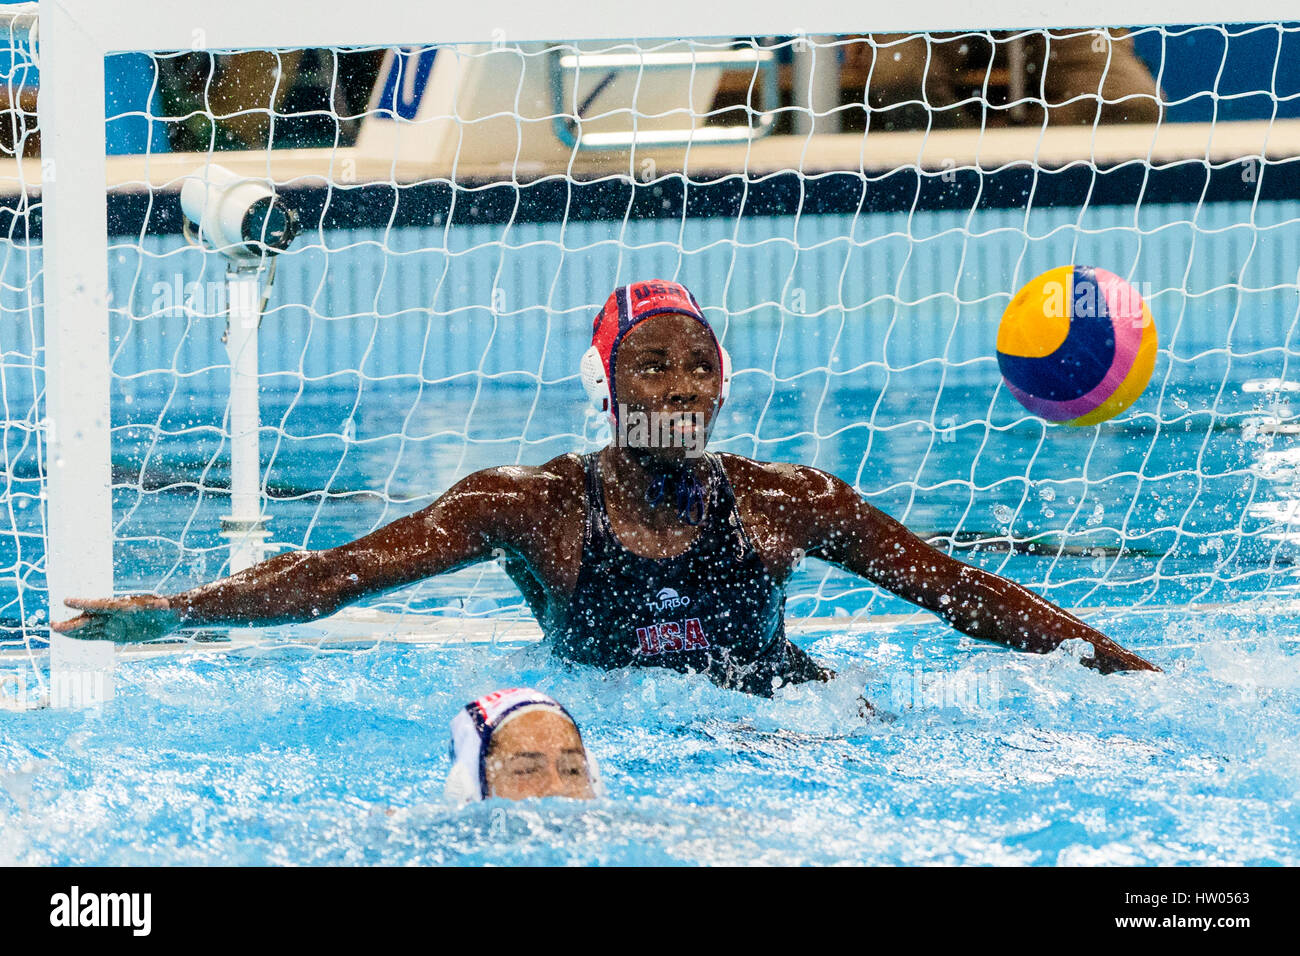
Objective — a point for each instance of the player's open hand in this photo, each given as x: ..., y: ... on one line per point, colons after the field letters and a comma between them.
x: 122, y: 620
x: 1109, y: 657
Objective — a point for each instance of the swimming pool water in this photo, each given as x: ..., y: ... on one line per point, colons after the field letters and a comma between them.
x: 293, y: 755
x: 289, y: 754
x: 299, y: 756
x: 1154, y: 509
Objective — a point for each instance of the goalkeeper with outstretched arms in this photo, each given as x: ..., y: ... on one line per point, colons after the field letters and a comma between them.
x: 649, y: 552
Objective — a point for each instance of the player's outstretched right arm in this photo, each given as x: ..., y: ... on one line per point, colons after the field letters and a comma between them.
x: 460, y: 528
x: 860, y: 538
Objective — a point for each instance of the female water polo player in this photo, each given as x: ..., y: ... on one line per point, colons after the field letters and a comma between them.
x: 516, y: 744
x: 648, y: 552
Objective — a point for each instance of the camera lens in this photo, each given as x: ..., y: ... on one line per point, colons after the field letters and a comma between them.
x: 269, y: 225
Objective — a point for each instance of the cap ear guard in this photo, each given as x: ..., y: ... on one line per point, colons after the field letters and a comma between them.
x: 594, y: 381
x: 596, y: 384
x: 593, y: 774
x: 726, y: 374
x: 461, y: 787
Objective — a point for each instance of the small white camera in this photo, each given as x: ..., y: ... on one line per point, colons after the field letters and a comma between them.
x: 241, y: 218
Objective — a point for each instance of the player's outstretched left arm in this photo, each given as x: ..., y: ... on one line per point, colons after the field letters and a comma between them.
x: 858, y: 537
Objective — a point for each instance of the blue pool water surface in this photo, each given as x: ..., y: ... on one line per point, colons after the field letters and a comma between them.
x: 981, y: 755
x: 1176, y: 520
x: 286, y: 756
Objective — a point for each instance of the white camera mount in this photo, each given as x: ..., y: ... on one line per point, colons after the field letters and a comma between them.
x: 245, y: 221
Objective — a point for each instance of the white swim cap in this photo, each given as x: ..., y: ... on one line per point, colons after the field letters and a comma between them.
x: 471, y: 733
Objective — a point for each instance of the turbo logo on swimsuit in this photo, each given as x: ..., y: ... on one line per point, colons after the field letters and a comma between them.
x: 667, y: 599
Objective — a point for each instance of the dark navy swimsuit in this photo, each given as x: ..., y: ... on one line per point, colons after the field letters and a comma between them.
x: 713, y: 609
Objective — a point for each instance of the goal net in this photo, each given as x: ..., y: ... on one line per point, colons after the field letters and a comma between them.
x: 854, y: 210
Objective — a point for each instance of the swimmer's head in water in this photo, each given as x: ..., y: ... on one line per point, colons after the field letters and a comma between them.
x: 516, y: 744
x: 647, y: 381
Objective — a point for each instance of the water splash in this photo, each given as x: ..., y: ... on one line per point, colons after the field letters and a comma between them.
x: 339, y: 757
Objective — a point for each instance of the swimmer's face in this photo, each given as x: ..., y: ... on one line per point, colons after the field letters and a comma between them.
x: 667, y: 373
x: 538, y: 754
